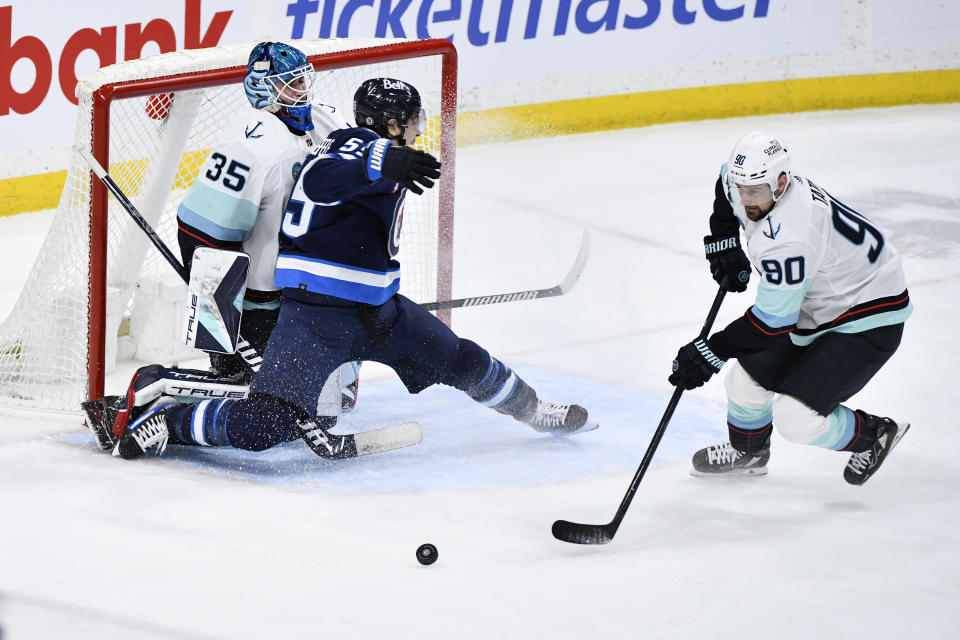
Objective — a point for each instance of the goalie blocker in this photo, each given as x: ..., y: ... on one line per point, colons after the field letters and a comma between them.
x: 218, y: 282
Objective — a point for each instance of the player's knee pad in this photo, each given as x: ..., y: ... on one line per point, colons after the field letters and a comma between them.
x: 262, y: 421
x: 797, y: 422
x: 743, y: 389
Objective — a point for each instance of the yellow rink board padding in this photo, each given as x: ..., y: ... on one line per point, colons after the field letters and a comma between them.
x: 32, y: 193
x: 702, y: 103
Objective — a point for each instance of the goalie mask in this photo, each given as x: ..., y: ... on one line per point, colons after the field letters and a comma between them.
x: 280, y: 80
x: 380, y: 100
x: 755, y: 164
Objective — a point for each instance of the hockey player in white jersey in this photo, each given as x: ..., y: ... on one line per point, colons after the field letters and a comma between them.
x: 829, y: 312
x: 236, y: 203
x: 241, y: 190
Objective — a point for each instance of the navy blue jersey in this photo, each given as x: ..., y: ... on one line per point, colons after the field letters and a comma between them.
x: 340, y: 231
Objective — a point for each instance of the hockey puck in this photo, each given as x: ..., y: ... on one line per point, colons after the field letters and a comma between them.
x: 427, y: 554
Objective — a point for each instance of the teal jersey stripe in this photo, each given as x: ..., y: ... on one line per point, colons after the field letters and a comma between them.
x: 779, y: 307
x: 747, y: 418
x: 858, y: 326
x: 269, y: 306
x: 838, y: 435
x: 218, y: 214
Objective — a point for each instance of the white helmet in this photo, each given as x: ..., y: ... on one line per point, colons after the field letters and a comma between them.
x: 758, y: 158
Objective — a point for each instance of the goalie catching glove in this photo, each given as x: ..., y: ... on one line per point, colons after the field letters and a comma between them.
x: 408, y: 167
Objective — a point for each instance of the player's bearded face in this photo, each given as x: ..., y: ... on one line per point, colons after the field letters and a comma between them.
x: 757, y: 200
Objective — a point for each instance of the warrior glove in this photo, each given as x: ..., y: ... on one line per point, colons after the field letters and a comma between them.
x: 408, y: 167
x: 695, y: 364
x: 728, y: 263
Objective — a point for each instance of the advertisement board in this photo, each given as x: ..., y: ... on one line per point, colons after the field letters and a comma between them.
x: 512, y: 52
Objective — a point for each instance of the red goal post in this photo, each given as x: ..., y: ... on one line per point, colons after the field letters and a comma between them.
x: 153, y: 152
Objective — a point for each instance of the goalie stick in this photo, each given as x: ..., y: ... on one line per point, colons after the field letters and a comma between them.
x: 244, y: 348
x: 571, y: 279
x: 603, y: 533
x: 323, y: 443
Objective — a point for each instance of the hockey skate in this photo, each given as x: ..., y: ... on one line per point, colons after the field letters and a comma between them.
x: 724, y: 460
x: 560, y: 419
x: 100, y: 416
x: 148, y: 430
x: 864, y: 464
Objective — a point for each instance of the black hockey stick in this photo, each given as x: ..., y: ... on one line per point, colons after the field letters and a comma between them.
x: 335, y: 447
x: 244, y: 348
x: 603, y: 533
x: 532, y: 294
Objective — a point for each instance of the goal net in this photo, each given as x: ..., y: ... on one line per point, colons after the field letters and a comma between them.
x: 100, y: 291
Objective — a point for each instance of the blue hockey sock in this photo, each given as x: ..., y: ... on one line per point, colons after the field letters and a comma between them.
x: 203, y: 423
x: 255, y: 424
x: 503, y: 390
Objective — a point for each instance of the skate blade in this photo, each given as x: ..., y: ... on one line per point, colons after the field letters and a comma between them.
x: 737, y: 473
x: 587, y: 426
x: 901, y: 431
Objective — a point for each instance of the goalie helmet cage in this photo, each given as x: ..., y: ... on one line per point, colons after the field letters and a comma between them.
x: 152, y: 123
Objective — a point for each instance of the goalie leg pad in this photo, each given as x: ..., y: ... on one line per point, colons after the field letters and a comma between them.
x: 186, y: 385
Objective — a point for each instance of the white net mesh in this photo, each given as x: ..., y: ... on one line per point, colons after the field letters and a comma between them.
x: 157, y: 144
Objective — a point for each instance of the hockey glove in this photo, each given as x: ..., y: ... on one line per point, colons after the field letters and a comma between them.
x: 728, y: 263
x: 409, y: 167
x: 695, y: 364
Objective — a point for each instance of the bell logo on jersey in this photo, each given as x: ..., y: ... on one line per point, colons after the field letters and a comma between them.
x: 295, y: 170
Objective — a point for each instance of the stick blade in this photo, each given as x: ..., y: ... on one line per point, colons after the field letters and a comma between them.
x: 581, y: 533
x: 387, y: 438
x: 578, y: 264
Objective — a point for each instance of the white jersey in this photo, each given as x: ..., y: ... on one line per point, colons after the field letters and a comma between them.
x: 824, y: 266
x: 242, y: 188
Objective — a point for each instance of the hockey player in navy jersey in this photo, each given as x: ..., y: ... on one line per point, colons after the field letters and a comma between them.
x: 829, y: 312
x: 236, y: 204
x: 338, y: 272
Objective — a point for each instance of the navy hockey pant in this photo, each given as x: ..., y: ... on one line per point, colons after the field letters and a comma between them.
x: 310, y: 341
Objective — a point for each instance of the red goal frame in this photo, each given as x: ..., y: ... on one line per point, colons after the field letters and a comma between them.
x: 105, y: 95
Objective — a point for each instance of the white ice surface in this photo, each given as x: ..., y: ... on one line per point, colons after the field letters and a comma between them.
x: 229, y: 544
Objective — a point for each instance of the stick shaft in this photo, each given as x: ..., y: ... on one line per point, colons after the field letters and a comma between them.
x: 601, y: 534
x: 664, y: 421
x: 531, y: 294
